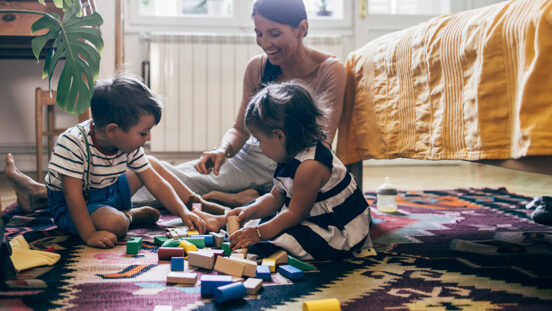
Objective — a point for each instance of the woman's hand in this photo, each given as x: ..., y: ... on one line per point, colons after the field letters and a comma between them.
x: 241, y: 212
x: 211, y: 160
x: 243, y: 238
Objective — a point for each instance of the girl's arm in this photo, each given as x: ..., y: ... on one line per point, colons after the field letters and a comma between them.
x: 164, y: 192
x: 72, y: 189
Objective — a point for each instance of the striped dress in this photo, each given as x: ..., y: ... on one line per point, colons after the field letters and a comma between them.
x: 338, y: 222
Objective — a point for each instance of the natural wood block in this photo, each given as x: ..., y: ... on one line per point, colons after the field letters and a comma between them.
x: 280, y: 256
x: 218, y: 237
x: 250, y: 268
x: 236, y: 279
x: 253, y: 285
x: 232, y: 224
x: 237, y: 255
x: 182, y: 278
x: 203, y: 260
x: 229, y: 266
x: 175, y: 233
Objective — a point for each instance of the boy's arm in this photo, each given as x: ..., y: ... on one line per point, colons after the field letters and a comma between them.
x: 309, y: 178
x: 72, y: 189
x: 165, y: 193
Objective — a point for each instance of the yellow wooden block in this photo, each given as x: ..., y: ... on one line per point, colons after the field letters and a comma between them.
x: 271, y: 263
x: 193, y: 232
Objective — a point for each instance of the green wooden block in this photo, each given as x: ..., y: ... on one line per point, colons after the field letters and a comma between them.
x: 226, y: 248
x: 171, y: 243
x: 299, y: 264
x: 134, y: 245
x: 159, y: 239
x: 197, y: 241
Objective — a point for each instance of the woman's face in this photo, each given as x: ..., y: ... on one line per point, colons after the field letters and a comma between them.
x: 279, y: 41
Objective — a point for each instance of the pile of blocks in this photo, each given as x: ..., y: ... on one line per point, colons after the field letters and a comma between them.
x: 236, y: 275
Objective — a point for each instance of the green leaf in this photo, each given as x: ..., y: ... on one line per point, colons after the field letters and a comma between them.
x: 78, y: 42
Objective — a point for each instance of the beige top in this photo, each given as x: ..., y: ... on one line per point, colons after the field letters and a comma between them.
x: 326, y: 80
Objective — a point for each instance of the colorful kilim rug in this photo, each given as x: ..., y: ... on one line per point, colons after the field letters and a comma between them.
x: 464, y: 249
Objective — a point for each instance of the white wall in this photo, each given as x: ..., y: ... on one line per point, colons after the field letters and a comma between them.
x: 18, y: 80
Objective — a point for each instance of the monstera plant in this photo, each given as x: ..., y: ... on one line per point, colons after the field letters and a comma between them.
x: 77, y: 45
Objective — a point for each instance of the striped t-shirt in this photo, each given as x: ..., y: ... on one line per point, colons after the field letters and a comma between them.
x: 70, y: 158
x: 339, y: 220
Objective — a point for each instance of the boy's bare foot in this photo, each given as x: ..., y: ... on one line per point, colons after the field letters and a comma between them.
x: 142, y: 215
x: 214, y: 222
x: 232, y: 199
x: 30, y: 194
x: 209, y: 207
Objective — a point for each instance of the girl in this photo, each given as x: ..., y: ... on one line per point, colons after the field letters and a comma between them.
x: 322, y: 213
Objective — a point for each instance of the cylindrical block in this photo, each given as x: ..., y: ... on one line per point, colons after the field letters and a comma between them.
x: 166, y: 253
x: 232, y: 224
x: 189, y: 247
x: 229, y: 292
x: 322, y: 305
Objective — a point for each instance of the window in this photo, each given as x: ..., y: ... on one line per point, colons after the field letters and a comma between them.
x: 189, y: 8
x: 409, y: 7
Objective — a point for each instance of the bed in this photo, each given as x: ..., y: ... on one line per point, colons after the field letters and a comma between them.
x: 475, y: 85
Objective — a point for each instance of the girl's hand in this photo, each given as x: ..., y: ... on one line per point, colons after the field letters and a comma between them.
x: 194, y: 222
x: 243, y: 238
x: 241, y: 213
x: 211, y: 160
x: 102, y: 239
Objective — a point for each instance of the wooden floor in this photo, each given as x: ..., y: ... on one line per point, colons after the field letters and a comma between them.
x: 421, y: 177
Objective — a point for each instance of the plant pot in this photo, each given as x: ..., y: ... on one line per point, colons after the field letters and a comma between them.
x: 324, y: 13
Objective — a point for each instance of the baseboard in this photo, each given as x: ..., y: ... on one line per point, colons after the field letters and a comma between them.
x: 410, y: 162
x: 25, y: 157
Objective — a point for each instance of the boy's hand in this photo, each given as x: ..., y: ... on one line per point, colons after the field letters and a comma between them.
x: 241, y: 213
x: 102, y: 239
x: 243, y: 238
x: 194, y: 222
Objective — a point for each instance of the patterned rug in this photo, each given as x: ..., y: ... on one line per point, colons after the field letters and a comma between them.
x: 464, y: 249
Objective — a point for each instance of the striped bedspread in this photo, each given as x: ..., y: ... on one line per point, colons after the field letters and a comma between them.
x: 470, y: 86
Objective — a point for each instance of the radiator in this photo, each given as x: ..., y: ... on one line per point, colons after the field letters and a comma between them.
x: 199, y: 77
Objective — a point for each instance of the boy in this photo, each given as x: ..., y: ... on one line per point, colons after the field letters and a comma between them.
x: 97, y: 165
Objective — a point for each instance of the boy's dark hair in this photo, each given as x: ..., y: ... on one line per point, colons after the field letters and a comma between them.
x: 123, y: 100
x: 287, y: 12
x: 290, y: 107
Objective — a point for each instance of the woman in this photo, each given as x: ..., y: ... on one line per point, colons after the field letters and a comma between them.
x: 240, y: 171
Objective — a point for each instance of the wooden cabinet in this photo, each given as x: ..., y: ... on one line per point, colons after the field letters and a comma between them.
x: 15, y: 28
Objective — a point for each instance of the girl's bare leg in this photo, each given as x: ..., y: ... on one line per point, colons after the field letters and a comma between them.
x: 30, y: 194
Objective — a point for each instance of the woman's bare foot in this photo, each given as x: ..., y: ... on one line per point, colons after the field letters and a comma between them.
x: 232, y: 199
x: 209, y: 207
x: 214, y: 222
x: 30, y: 194
x: 142, y: 215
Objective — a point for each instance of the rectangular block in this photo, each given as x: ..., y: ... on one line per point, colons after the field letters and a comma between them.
x: 209, y: 239
x: 203, y: 260
x: 237, y: 255
x: 253, y: 285
x: 280, y: 257
x: 159, y: 239
x: 218, y: 238
x: 199, y: 242
x: 232, y: 224
x: 193, y: 232
x: 175, y: 233
x: 271, y: 263
x: 226, y: 248
x: 177, y: 264
x: 133, y: 245
x: 228, y: 266
x: 292, y: 261
x: 263, y: 272
x: 291, y: 272
x: 250, y: 269
x: 210, y: 282
x: 182, y: 278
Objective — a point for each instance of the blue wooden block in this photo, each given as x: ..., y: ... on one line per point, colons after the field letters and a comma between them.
x: 209, y: 239
x: 229, y: 292
x: 210, y: 282
x: 263, y: 272
x: 177, y: 263
x: 291, y: 272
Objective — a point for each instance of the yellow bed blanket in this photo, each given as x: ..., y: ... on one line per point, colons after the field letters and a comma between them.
x: 470, y: 86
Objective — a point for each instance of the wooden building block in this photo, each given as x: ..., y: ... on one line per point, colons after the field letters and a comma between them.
x: 171, y: 243
x: 182, y: 277
x: 197, y: 206
x: 232, y: 224
x: 203, y: 260
x: 133, y: 245
x: 166, y: 253
x: 209, y: 239
x: 291, y: 272
x: 292, y: 261
x: 187, y: 246
x: 177, y: 264
x: 210, y: 282
x: 199, y: 242
x: 236, y: 279
x: 229, y: 292
x: 216, y: 252
x: 218, y: 238
x: 271, y: 263
x: 229, y: 266
x: 250, y: 268
x: 280, y: 257
x: 263, y: 272
x: 227, y: 249
x: 240, y: 251
x: 330, y: 304
x: 175, y: 233
x: 193, y: 232
x: 159, y: 239
x: 237, y: 255
x: 253, y: 285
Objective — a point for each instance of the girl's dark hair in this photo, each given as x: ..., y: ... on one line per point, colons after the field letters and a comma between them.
x: 287, y: 12
x: 123, y: 100
x: 290, y: 107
